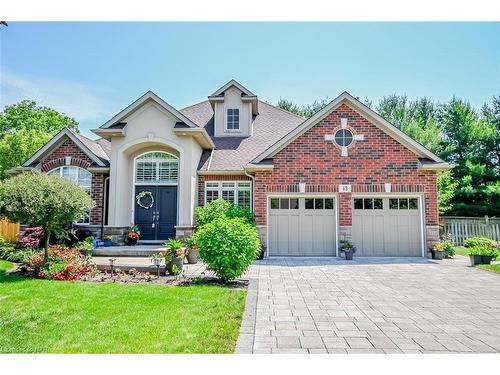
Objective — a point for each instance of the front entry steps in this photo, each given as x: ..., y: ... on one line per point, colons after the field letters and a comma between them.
x: 128, y: 251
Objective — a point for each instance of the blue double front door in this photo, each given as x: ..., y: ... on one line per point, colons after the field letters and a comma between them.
x: 156, y: 211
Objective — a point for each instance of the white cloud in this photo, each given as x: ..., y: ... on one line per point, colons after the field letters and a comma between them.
x: 78, y: 100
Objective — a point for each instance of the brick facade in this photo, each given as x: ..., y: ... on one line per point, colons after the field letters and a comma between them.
x: 370, y: 163
x: 78, y: 159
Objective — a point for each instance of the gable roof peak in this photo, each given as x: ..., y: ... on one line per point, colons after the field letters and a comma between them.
x: 230, y: 84
x: 364, y: 110
x: 92, y: 149
x: 148, y: 95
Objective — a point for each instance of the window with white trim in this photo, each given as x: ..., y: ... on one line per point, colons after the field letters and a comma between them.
x: 233, y: 119
x: 157, y: 168
x: 77, y: 175
x: 237, y: 192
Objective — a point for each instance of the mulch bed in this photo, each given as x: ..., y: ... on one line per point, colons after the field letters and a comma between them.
x: 137, y: 277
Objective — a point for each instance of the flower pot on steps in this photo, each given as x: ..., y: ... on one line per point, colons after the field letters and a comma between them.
x: 192, y: 255
x: 178, y: 262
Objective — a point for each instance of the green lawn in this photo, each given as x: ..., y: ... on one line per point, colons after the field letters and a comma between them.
x: 460, y: 250
x: 490, y: 267
x: 41, y: 316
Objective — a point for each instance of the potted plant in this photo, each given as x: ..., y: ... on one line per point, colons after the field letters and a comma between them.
x: 437, y: 251
x: 482, y: 250
x: 174, y: 256
x: 475, y: 255
x: 191, y: 250
x: 133, y: 235
x: 85, y: 247
x: 488, y: 254
x: 348, y: 249
x: 108, y: 240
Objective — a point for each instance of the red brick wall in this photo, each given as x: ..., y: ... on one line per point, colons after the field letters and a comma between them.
x: 78, y: 159
x: 203, y: 178
x: 374, y: 161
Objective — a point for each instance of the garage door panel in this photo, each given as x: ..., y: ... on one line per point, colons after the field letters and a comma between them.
x: 302, y: 232
x: 393, y: 230
x: 293, y: 234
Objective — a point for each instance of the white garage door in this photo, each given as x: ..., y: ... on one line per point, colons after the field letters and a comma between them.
x: 387, y: 226
x: 302, y: 226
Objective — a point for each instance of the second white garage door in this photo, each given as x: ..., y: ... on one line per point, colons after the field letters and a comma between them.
x: 302, y: 226
x: 387, y: 226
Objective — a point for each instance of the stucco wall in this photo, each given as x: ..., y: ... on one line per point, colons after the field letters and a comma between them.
x: 151, y: 128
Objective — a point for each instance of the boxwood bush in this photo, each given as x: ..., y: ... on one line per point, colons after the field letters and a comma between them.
x: 221, y: 208
x: 228, y: 246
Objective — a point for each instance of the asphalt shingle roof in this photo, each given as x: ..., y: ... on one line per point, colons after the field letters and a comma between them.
x: 233, y: 153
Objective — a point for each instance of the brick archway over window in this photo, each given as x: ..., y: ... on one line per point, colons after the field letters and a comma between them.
x: 62, y: 162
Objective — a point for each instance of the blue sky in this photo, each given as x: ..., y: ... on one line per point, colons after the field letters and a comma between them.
x: 92, y: 70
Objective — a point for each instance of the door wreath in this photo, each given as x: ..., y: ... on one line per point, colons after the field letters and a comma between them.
x: 143, y: 194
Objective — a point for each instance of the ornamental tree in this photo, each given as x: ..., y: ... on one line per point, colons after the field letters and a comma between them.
x: 48, y: 201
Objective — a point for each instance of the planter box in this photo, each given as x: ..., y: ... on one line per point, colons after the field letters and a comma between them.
x: 192, y: 256
x: 486, y: 259
x: 178, y: 261
x: 475, y: 259
x: 349, y: 255
x: 108, y: 243
x: 438, y: 255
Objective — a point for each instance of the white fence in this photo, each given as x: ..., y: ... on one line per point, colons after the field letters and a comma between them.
x: 464, y: 227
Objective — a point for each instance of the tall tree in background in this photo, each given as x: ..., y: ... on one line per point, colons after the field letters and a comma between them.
x: 416, y: 118
x: 25, y: 128
x: 469, y: 141
x: 305, y: 111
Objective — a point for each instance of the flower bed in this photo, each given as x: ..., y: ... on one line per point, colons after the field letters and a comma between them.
x: 63, y: 263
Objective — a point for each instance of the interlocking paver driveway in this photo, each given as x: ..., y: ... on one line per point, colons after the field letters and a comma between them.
x: 396, y: 305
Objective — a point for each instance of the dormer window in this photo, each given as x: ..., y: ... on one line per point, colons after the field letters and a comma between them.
x: 233, y: 119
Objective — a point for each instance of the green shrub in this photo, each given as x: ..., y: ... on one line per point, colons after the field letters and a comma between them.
x: 228, y: 246
x: 220, y: 208
x: 448, y: 248
x: 6, y: 249
x: 479, y: 241
x: 236, y: 211
x: 483, y: 250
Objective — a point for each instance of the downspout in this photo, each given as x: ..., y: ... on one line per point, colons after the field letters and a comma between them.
x: 103, y: 211
x: 253, y: 187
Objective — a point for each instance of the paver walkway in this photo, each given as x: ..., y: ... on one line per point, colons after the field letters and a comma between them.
x: 396, y: 305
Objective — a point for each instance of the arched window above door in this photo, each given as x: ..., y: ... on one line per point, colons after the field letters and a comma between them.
x: 156, y: 167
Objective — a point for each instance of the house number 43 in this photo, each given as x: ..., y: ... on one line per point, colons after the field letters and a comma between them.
x: 344, y: 188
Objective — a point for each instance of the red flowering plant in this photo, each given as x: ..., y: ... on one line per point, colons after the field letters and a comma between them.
x: 63, y: 263
x: 30, y: 238
x: 133, y: 234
